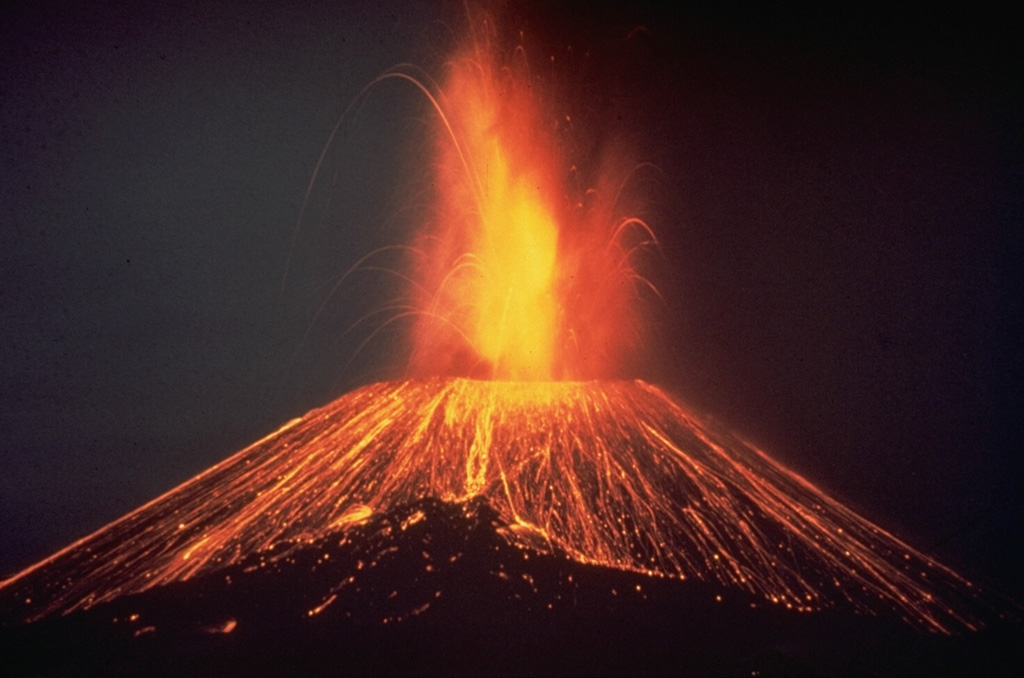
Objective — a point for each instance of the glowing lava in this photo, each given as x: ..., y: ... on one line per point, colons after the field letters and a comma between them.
x: 609, y: 473
x: 521, y: 276
x: 526, y: 283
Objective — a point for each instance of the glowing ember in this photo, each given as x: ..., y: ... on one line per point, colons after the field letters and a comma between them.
x: 610, y: 473
x: 520, y: 277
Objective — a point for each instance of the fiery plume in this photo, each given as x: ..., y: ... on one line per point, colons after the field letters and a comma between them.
x: 525, y: 276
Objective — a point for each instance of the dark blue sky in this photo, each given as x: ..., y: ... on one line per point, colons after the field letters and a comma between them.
x: 838, y: 199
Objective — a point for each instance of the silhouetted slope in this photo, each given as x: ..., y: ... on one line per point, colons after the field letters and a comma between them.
x: 609, y: 473
x: 437, y: 588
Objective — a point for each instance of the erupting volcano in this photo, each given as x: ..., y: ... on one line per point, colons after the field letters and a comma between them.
x: 525, y: 298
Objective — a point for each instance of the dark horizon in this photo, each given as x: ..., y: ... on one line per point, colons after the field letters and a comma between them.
x: 838, y: 204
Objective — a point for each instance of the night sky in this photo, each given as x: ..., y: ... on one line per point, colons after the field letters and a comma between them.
x: 838, y: 199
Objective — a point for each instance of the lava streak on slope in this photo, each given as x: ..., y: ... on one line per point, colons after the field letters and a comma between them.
x: 608, y: 473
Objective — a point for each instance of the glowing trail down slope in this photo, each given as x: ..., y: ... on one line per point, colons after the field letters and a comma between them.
x: 610, y: 473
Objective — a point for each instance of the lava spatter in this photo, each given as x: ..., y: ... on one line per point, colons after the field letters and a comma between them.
x: 528, y: 267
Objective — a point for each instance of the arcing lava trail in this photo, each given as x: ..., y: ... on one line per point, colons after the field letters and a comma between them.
x: 526, y: 268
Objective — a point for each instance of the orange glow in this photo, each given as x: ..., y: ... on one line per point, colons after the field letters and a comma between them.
x: 609, y: 473
x: 521, y: 277
x: 524, y: 282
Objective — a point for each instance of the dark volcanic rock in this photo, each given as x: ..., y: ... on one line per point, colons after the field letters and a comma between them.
x: 437, y: 588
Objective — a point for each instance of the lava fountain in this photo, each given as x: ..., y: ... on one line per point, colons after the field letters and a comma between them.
x: 525, y: 295
x: 523, y: 274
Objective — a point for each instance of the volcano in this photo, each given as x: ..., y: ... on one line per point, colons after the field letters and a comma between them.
x: 508, y: 508
x: 402, y: 499
x: 615, y: 474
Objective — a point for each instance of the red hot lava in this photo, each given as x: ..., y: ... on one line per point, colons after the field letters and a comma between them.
x: 522, y: 282
x: 609, y: 473
x: 520, y: 276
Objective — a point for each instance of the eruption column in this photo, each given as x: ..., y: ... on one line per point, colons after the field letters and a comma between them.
x: 519, y: 276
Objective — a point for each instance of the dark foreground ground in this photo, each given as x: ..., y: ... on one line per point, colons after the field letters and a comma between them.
x: 435, y: 588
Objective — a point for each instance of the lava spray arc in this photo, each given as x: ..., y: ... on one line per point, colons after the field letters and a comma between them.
x: 527, y: 269
x: 529, y: 288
